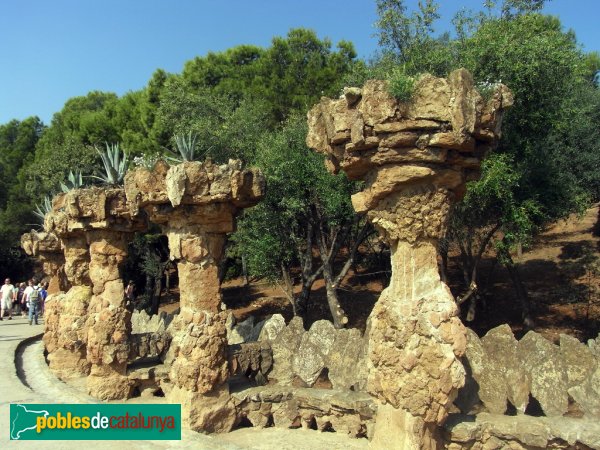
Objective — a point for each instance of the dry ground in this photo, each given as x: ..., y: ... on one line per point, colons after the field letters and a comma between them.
x: 565, y: 295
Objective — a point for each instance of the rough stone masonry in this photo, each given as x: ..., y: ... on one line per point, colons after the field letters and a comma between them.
x: 415, y: 158
x: 83, y: 246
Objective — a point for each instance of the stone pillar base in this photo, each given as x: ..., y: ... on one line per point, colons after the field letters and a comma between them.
x: 213, y: 412
x: 399, y: 430
x: 107, y: 382
x: 65, y: 333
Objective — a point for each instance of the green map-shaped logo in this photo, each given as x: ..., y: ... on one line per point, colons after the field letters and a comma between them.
x: 23, y: 420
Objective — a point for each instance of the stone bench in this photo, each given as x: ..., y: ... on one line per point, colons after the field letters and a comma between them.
x: 347, y: 412
x: 495, y: 431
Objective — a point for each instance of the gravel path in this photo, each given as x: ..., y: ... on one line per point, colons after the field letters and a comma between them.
x: 43, y: 387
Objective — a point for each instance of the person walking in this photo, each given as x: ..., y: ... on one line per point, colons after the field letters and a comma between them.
x: 25, y: 302
x: 7, y: 295
x: 35, y: 298
x: 20, y: 301
x: 43, y: 295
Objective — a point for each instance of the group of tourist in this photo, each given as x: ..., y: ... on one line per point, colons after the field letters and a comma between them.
x: 27, y: 300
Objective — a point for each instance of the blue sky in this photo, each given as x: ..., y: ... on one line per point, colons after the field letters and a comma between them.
x: 52, y: 50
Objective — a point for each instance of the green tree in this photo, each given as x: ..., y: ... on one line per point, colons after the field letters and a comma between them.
x: 306, y: 211
x: 17, y: 145
x: 549, y: 76
x: 543, y: 67
x: 292, y: 74
x: 230, y: 73
x: 297, y: 70
x: 409, y: 40
x: 224, y: 128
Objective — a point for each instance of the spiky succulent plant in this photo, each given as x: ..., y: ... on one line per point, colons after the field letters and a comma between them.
x: 74, y: 181
x: 43, y: 208
x: 186, y: 148
x: 115, y: 165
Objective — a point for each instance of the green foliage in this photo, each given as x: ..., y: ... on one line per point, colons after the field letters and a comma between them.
x: 292, y: 74
x: 224, y: 128
x: 17, y: 145
x: 74, y: 181
x: 542, y: 65
x: 408, y: 39
x: 274, y: 232
x: 184, y: 109
x: 114, y: 163
x: 51, y: 161
x: 492, y: 200
x: 511, y: 8
x: 231, y: 72
x: 575, y: 146
x: 401, y: 85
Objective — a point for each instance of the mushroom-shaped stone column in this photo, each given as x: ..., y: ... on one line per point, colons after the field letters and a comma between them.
x: 95, y: 227
x: 415, y: 158
x: 65, y: 333
x: 195, y: 204
x: 47, y: 247
x: 64, y: 314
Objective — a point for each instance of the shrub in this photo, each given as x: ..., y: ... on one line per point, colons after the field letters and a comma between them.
x: 401, y: 85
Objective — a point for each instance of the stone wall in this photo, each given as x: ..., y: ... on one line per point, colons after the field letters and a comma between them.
x: 527, y: 393
x: 506, y: 374
x: 301, y: 357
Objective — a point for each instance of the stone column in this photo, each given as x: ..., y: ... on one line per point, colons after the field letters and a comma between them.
x: 198, y: 351
x: 65, y: 333
x: 415, y: 159
x: 195, y: 204
x: 109, y: 321
x: 198, y: 254
x: 77, y: 259
x: 415, y: 338
x: 47, y: 247
x: 88, y: 328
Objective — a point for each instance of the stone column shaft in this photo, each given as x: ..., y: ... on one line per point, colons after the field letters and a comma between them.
x: 415, y: 158
x: 109, y: 321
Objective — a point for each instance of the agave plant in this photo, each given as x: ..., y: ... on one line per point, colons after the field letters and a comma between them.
x: 187, y: 149
x: 43, y: 208
x: 115, y: 164
x: 73, y: 181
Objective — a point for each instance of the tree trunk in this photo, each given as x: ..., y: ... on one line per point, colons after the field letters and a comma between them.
x: 168, y: 279
x: 470, y: 263
x: 303, y: 298
x: 339, y: 316
x: 520, y: 289
x: 156, y: 295
x: 245, y: 271
x: 328, y: 252
x: 149, y: 290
